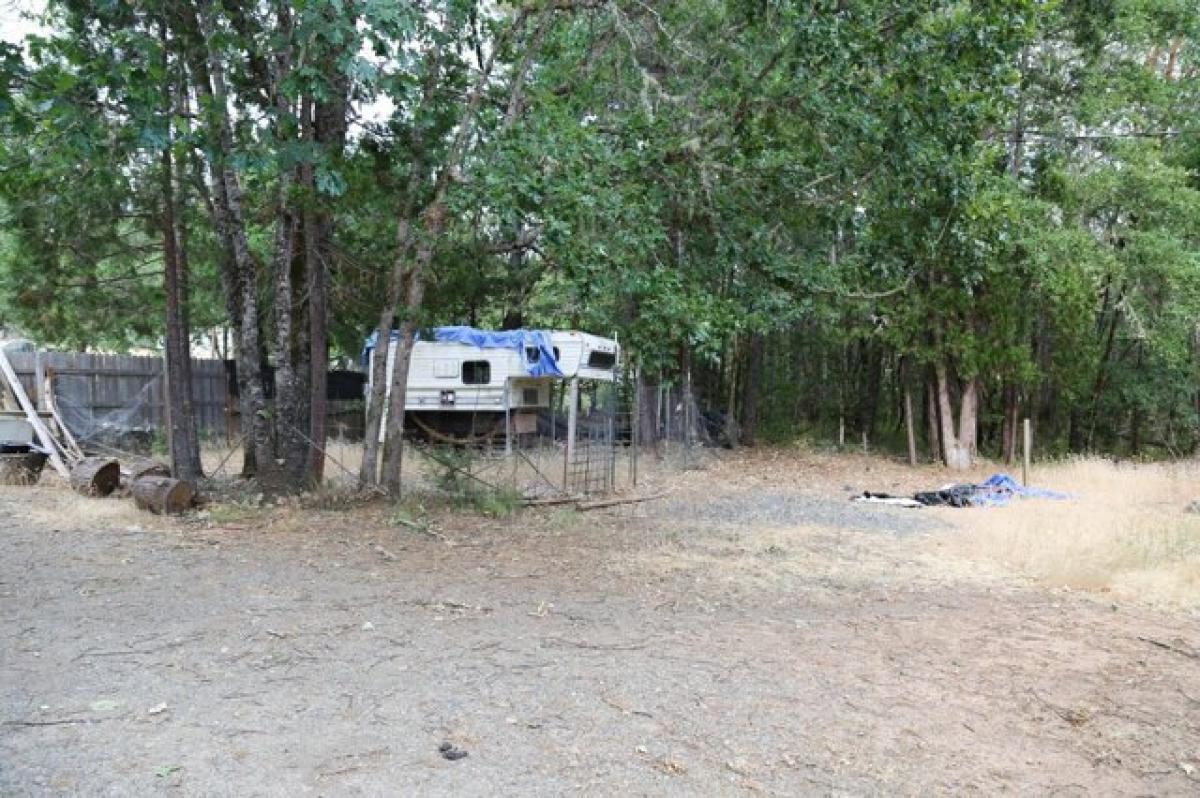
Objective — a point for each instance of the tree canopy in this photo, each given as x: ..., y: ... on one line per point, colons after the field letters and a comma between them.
x: 819, y: 214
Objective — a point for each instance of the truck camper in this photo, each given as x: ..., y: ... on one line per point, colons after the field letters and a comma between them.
x: 463, y: 383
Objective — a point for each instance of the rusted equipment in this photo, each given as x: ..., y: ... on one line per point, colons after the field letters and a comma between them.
x: 21, y: 468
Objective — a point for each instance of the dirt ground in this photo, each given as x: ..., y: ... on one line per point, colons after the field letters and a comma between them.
x: 753, y: 631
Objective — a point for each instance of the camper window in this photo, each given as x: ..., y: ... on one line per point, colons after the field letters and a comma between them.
x: 476, y: 372
x: 601, y: 360
x: 533, y: 354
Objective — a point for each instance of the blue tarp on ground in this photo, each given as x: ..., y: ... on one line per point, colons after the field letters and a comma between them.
x: 999, y: 489
x: 995, y: 491
x: 541, y: 364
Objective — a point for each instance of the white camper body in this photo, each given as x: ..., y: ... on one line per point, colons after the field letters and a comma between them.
x: 461, y: 389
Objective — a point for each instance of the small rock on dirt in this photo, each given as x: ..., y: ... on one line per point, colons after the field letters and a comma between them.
x: 451, y: 752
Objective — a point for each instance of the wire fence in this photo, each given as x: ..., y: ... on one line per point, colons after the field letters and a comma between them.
x: 622, y: 430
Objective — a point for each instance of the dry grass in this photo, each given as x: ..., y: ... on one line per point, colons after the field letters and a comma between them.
x: 53, y: 503
x: 1124, y: 533
x: 536, y: 471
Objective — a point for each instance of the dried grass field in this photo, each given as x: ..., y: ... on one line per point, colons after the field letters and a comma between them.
x: 752, y: 632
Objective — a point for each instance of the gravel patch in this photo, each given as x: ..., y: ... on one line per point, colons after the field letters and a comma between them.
x: 792, y: 508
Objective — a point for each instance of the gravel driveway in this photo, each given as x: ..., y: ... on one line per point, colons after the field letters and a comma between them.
x: 762, y: 643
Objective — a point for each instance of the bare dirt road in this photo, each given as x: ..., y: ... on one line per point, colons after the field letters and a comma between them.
x: 723, y: 640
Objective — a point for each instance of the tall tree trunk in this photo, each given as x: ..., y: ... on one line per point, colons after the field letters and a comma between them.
x: 647, y: 410
x: 317, y: 237
x: 288, y: 470
x: 228, y: 194
x: 872, y: 363
x: 687, y: 415
x: 432, y: 223
x: 286, y: 473
x: 910, y: 431
x: 1098, y: 385
x: 185, y: 443
x: 395, y: 287
x: 231, y: 288
x: 956, y: 449
x: 1136, y: 416
x: 968, y: 419
x: 933, y: 438
x: 393, y: 446
x: 733, y: 435
x: 751, y: 384
x: 329, y: 129
x: 1008, y: 428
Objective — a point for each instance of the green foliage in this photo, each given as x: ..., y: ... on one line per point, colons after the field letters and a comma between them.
x: 454, y: 477
x: 1005, y: 189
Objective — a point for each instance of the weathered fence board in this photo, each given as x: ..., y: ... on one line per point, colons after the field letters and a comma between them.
x: 131, y: 390
x: 103, y: 384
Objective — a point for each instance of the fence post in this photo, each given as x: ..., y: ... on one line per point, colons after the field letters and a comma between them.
x: 1025, y: 462
x: 635, y: 425
x: 508, y: 449
x: 39, y: 381
x: 572, y: 425
x: 166, y: 408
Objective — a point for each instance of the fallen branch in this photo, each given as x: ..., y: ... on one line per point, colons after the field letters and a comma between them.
x: 551, y: 502
x: 1169, y: 647
x: 596, y: 646
x: 63, y: 722
x: 584, y: 506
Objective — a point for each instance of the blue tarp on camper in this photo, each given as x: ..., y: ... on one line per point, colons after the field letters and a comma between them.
x: 534, y: 347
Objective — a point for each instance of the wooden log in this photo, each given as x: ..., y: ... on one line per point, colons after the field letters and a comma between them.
x: 133, y: 471
x: 96, y: 476
x: 163, y: 495
x: 21, y: 468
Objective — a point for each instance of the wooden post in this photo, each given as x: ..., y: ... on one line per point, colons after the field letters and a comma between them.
x: 910, y: 432
x: 229, y: 431
x: 166, y: 409
x: 1028, y: 446
x: 508, y: 431
x: 39, y: 381
x: 635, y: 425
x: 667, y: 416
x: 43, y: 434
x: 572, y: 424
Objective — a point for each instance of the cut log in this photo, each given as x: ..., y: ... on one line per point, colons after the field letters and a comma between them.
x: 163, y: 495
x: 137, y: 469
x: 21, y: 468
x: 96, y: 476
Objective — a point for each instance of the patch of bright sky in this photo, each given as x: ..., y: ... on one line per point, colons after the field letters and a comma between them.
x: 18, y: 19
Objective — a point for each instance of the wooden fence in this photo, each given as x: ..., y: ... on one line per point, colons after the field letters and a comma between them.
x: 132, y: 390
x: 127, y: 393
